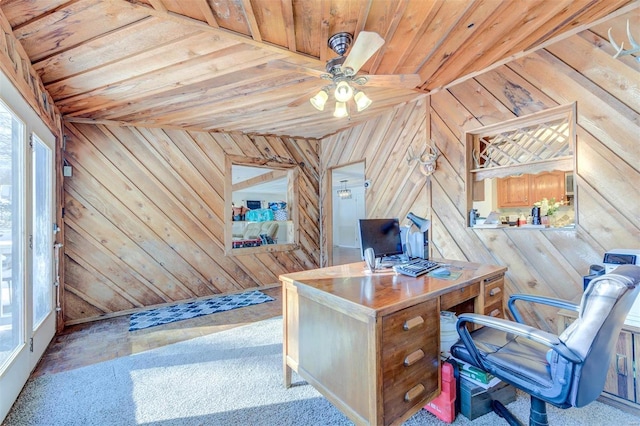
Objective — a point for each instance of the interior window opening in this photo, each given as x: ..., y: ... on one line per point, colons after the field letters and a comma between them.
x: 520, y: 173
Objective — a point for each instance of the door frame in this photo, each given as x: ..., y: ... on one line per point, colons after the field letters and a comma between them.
x: 329, y: 204
x: 33, y: 342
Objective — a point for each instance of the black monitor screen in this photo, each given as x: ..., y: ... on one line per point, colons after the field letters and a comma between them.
x: 382, y: 235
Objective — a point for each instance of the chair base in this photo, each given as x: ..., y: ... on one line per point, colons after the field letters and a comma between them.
x: 537, y: 414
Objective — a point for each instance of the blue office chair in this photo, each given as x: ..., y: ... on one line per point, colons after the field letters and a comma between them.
x: 568, y: 370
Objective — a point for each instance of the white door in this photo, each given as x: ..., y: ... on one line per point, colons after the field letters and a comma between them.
x: 27, y: 311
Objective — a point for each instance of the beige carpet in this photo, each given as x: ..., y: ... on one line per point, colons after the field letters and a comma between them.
x: 228, y: 378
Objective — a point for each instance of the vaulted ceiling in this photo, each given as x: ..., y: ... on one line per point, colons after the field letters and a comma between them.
x: 251, y: 65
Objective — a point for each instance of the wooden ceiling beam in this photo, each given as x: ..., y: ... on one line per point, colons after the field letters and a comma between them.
x: 223, y: 33
x: 401, y: 7
x: 325, y: 6
x: 185, y: 106
x: 152, y: 83
x: 429, y: 14
x: 204, y: 7
x: 290, y: 28
x: 365, y: 8
x: 461, y: 27
x: 487, y: 32
x: 250, y: 16
x: 42, y: 15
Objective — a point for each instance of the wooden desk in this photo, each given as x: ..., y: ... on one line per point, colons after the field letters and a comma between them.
x: 370, y: 343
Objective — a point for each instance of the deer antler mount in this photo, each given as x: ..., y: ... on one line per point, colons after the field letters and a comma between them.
x: 427, y: 159
x: 635, y: 47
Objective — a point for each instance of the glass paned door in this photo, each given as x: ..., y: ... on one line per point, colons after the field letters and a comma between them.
x: 27, y: 206
x: 42, y: 239
x: 12, y: 149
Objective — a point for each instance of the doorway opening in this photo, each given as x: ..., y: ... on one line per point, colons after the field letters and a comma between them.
x: 348, y: 205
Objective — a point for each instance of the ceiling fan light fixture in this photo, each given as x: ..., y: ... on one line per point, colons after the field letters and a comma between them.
x: 319, y: 100
x: 343, y: 91
x: 341, y: 110
x: 361, y: 100
x: 340, y: 42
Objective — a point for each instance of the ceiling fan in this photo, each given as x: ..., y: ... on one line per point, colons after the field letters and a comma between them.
x: 342, y: 71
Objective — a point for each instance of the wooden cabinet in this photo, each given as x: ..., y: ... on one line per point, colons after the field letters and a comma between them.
x: 546, y: 185
x: 524, y: 190
x: 513, y: 191
x: 622, y: 388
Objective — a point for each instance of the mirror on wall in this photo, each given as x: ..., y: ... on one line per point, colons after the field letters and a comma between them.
x: 261, y: 203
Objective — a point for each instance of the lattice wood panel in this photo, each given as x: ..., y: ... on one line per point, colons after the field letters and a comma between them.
x: 539, y: 142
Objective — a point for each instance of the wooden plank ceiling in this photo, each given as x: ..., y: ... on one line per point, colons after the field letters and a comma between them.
x: 250, y: 65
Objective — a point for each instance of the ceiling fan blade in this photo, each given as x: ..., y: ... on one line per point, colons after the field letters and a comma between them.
x: 364, y: 47
x: 408, y: 81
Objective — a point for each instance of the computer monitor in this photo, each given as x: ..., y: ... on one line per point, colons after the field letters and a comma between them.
x: 382, y: 235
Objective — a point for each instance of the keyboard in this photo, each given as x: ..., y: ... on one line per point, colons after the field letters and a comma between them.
x: 416, y: 267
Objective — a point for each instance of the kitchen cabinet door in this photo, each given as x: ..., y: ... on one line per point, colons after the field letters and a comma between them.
x: 513, y: 191
x: 547, y: 185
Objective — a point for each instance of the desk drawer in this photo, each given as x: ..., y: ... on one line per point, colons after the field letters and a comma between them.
x: 410, y: 354
x: 456, y: 297
x: 495, y: 310
x: 493, y: 291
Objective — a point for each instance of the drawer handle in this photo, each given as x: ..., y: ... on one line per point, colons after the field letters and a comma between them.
x: 621, y: 365
x: 495, y: 291
x: 414, y: 392
x: 495, y: 313
x: 413, y: 357
x: 413, y: 322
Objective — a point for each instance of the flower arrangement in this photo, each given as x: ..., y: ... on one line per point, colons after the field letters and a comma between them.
x: 548, y: 207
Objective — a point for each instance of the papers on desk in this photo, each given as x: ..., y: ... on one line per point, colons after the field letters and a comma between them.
x: 454, y: 275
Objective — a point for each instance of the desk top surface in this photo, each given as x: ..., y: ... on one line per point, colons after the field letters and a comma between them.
x: 354, y: 284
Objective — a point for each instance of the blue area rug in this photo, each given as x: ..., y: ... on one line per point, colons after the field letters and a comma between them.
x: 159, y: 316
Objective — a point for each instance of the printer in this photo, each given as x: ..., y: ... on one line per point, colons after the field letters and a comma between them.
x: 613, y: 259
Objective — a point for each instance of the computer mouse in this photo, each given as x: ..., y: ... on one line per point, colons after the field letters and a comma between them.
x: 443, y: 272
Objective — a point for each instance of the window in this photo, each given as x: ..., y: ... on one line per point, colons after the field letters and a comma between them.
x: 516, y: 165
x: 261, y: 199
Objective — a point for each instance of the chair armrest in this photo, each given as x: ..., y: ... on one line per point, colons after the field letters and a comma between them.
x: 550, y: 340
x: 550, y: 301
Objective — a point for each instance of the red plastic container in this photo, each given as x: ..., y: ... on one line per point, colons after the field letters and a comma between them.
x: 444, y: 405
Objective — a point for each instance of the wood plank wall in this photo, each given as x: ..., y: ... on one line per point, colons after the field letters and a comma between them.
x: 550, y: 263
x: 397, y: 186
x: 144, y: 218
x: 579, y: 69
